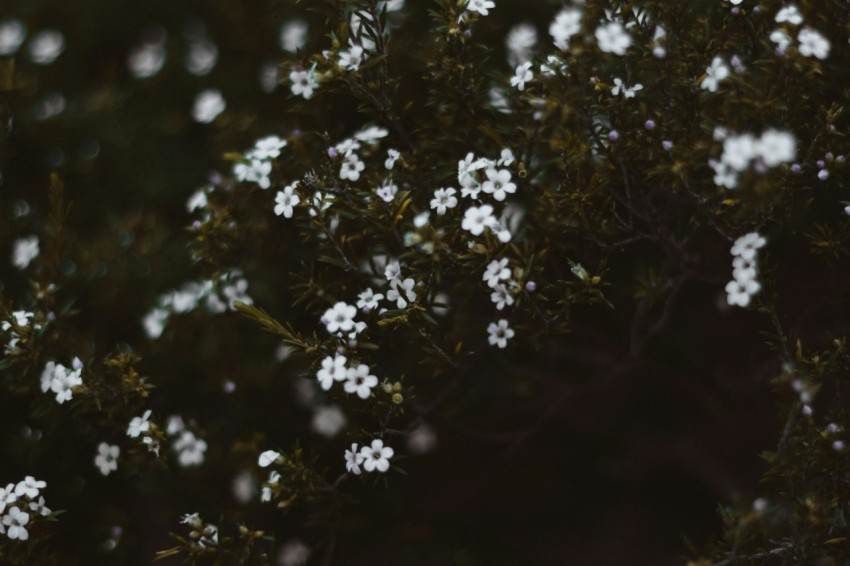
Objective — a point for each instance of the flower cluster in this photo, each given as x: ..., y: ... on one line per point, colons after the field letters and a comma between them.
x: 744, y: 269
x: 60, y: 380
x: 185, y: 443
x: 150, y: 434
x: 19, y: 503
x: 216, y: 296
x: 357, y: 379
x: 772, y: 149
x: 18, y: 323
x: 810, y: 42
x: 493, y: 178
x: 375, y: 457
x: 257, y: 164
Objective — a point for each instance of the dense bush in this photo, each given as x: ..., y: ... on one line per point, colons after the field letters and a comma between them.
x: 453, y: 282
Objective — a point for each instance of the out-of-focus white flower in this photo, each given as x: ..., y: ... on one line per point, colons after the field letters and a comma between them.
x: 12, y: 35
x: 202, y: 57
x: 208, y: 105
x: 293, y: 35
x: 46, y: 46
x: 24, y: 250
x: 612, y: 38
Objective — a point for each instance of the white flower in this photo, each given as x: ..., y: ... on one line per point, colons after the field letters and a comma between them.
x: 387, y: 191
x: 392, y: 271
x: 12, y: 34
x: 781, y: 39
x: 351, y: 168
x: 268, y: 148
x: 775, y: 147
x: 566, y: 24
x: 303, y: 83
x: 22, y: 318
x: 501, y: 297
x: 360, y: 381
x: 333, y: 369
x: 789, y: 14
x: 293, y: 35
x: 190, y: 449
x: 480, y: 6
x: 254, y: 171
x: 724, y: 176
x: 294, y: 552
x: 813, y: 44
x: 377, y: 456
x: 371, y: 134
x: 612, y: 38
x: 152, y: 444
x: 743, y: 269
x: 46, y: 46
x: 350, y: 59
x: 738, y: 151
x: 15, y: 521
x: 353, y: 460
x: 500, y: 333
x: 202, y: 57
x: 328, y: 420
x: 106, y: 459
x: 39, y: 508
x: 714, y: 74
x: 347, y: 146
x: 175, y: 425
x: 520, y: 41
x: 368, y: 300
x: 746, y: 245
x: 506, y: 157
x: 285, y: 200
x: 24, y: 251
x: 401, y: 289
x: 739, y: 292
x: 340, y: 317
x: 392, y: 157
x: 268, y: 458
x: 522, y: 76
x: 7, y: 495
x: 496, y: 271
x: 197, y: 200
x: 468, y: 165
x: 498, y: 183
x: 628, y: 92
x: 29, y: 487
x: 470, y: 187
x: 444, y: 199
x: 476, y: 218
x: 209, y: 104
x: 553, y: 66
x: 146, y: 60
x: 154, y: 322
x: 138, y: 425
